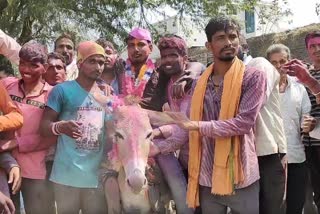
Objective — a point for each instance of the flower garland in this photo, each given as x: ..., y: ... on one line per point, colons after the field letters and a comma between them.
x: 135, y: 86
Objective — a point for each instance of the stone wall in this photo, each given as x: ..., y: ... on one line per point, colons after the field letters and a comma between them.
x: 200, y: 54
x: 294, y: 39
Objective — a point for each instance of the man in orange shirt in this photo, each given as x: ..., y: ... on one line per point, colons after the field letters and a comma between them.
x: 11, y: 117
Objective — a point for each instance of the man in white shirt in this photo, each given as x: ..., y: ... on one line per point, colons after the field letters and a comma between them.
x: 65, y: 45
x: 271, y: 144
x: 294, y: 104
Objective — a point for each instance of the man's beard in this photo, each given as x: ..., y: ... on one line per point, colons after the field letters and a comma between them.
x: 67, y: 58
x: 226, y: 58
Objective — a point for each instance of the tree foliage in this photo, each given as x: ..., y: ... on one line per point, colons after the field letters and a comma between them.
x: 112, y: 19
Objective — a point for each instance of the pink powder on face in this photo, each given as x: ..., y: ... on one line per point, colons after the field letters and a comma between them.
x: 113, y: 155
x: 313, y: 41
x: 135, y: 121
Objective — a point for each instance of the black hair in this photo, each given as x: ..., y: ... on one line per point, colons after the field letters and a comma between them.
x: 220, y: 23
x: 311, y: 35
x: 65, y: 36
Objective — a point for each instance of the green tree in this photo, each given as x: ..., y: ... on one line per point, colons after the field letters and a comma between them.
x: 112, y: 19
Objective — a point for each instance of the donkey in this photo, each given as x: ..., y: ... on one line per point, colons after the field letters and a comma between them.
x: 132, y: 137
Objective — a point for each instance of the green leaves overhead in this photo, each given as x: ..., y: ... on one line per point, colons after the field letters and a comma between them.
x: 112, y: 19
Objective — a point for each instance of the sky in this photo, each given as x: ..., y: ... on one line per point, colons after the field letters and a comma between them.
x: 303, y: 12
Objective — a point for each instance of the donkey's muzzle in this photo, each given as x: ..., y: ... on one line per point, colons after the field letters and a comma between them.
x: 137, y: 180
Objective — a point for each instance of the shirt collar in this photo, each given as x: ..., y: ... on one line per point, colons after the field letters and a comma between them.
x: 45, y: 88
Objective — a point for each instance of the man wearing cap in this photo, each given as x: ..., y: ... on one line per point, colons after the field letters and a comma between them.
x: 30, y: 94
x: 140, y: 78
x: 73, y: 114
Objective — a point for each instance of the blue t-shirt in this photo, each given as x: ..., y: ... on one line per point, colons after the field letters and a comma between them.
x: 77, y: 161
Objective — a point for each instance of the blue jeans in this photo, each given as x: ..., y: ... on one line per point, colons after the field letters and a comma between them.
x: 173, y: 174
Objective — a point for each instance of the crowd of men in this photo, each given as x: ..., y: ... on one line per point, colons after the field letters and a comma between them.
x: 247, y: 140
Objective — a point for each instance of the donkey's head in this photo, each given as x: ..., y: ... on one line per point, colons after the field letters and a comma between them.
x: 133, y: 135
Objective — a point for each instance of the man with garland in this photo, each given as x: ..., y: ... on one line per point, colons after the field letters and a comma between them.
x: 142, y: 80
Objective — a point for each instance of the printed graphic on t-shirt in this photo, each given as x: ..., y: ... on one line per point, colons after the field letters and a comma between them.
x: 92, y: 123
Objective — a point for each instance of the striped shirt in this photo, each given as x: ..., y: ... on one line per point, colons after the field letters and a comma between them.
x: 315, y: 111
x: 252, y: 96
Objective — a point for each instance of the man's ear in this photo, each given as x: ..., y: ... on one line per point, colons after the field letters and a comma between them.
x: 185, y: 59
x: 151, y: 47
x: 79, y: 64
x: 46, y: 66
x: 208, y: 46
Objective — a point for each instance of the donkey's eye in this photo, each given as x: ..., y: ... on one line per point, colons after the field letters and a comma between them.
x: 118, y: 135
x: 149, y: 135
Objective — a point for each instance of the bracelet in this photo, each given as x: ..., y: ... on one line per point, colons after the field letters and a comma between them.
x: 55, y: 128
x: 58, y: 126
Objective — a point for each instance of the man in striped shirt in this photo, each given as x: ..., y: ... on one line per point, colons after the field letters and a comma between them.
x: 312, y: 145
x: 223, y: 42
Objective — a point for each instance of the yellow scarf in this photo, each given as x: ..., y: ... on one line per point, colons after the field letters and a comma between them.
x: 227, y: 161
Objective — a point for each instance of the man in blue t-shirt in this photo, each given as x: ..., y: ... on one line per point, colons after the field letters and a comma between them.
x: 78, y: 120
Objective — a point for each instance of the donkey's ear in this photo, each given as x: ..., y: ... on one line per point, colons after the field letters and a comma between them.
x: 165, y: 118
x: 159, y: 118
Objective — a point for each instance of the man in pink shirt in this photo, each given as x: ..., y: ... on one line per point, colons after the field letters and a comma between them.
x: 30, y: 94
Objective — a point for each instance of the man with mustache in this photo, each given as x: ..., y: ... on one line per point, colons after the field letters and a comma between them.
x: 65, y: 45
x: 56, y: 69
x: 113, y: 68
x: 223, y: 165
x: 169, y: 139
x: 310, y: 77
x: 295, y: 104
x: 271, y: 144
x: 140, y: 79
x: 74, y: 115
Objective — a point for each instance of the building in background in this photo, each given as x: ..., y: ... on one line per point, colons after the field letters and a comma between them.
x: 252, y: 24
